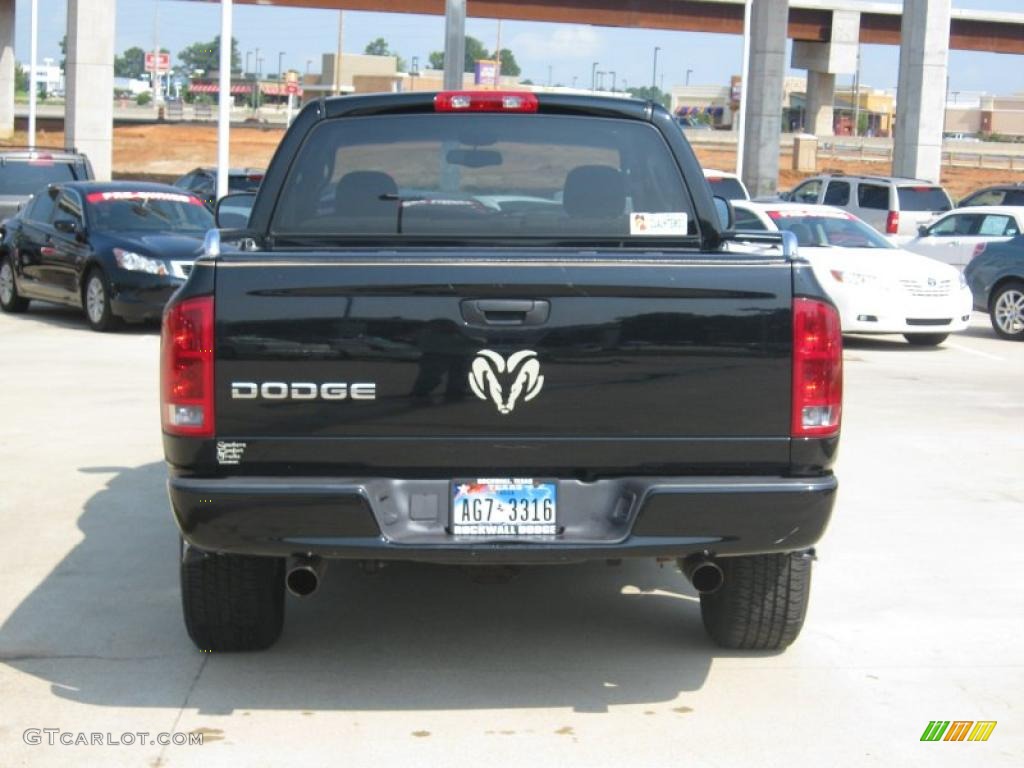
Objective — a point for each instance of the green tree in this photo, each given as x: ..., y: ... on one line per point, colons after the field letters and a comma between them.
x: 379, y: 47
x: 509, y: 66
x: 651, y: 93
x: 64, y: 54
x: 20, y: 79
x: 475, y: 51
x: 206, y: 56
x: 132, y: 63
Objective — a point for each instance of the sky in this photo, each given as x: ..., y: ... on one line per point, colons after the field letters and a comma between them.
x: 565, y: 51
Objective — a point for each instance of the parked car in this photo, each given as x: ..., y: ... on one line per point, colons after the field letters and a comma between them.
x: 955, y: 237
x: 25, y: 171
x: 1000, y: 194
x: 892, y: 205
x: 581, y: 376
x: 877, y: 287
x: 117, y: 249
x: 725, y: 184
x: 202, y: 182
x: 996, y: 278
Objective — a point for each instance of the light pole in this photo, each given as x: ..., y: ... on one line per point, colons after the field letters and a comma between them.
x: 688, y: 73
x: 280, y: 72
x: 654, y: 72
x: 32, y: 74
x: 600, y: 79
x: 309, y: 63
x: 248, y: 69
x: 593, y: 76
x: 612, y: 73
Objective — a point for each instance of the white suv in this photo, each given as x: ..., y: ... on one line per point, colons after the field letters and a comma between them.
x: 894, y: 206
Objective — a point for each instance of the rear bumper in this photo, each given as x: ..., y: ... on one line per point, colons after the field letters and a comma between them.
x: 391, y: 519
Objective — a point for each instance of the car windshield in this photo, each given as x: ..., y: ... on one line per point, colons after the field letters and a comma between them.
x: 502, y: 176
x: 828, y: 230
x: 148, y: 210
x: 26, y: 177
x: 730, y: 189
x: 923, y: 199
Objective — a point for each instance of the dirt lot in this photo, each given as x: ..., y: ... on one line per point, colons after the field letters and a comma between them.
x: 165, y: 151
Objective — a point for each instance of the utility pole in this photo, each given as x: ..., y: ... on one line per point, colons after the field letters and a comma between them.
x: 593, y: 76
x: 155, y: 76
x: 654, y: 72
x: 32, y: 88
x: 224, y: 99
x: 856, y: 96
x: 337, y: 53
x: 688, y: 73
x: 497, y: 58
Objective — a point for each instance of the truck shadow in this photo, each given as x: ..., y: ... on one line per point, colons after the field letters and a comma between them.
x: 104, y: 628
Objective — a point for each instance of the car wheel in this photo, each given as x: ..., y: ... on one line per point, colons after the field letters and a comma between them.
x: 96, y: 301
x: 10, y: 301
x: 926, y: 339
x: 762, y: 602
x: 1007, y: 312
x: 232, y: 602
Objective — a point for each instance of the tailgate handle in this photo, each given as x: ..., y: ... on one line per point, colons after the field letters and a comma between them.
x: 505, y: 311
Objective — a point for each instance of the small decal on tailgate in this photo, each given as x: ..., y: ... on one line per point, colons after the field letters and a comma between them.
x: 229, y: 453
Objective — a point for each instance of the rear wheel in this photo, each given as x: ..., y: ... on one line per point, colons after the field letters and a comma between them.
x: 10, y: 301
x: 96, y: 300
x: 232, y: 602
x: 926, y: 339
x: 1007, y: 312
x: 762, y: 602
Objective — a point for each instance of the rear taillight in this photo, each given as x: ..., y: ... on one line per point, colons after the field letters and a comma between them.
x: 485, y: 101
x: 186, y: 368
x: 892, y: 223
x: 978, y: 250
x: 817, y: 369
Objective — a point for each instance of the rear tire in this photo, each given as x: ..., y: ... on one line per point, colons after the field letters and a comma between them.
x: 10, y: 301
x: 232, y: 602
x: 926, y: 339
x: 1007, y: 311
x: 762, y: 602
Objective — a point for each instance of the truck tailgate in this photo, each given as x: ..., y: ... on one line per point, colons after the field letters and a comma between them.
x: 504, y: 363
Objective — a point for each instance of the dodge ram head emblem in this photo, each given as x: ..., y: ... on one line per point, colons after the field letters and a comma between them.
x: 505, y: 381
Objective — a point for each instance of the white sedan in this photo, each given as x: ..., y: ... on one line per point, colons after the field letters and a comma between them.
x: 877, y: 287
x: 954, y: 237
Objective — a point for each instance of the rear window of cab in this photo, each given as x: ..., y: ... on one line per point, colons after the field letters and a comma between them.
x: 485, y: 175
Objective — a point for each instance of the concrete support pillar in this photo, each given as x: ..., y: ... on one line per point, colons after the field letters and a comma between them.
x: 763, y: 118
x: 821, y: 91
x: 823, y: 61
x: 89, y: 115
x: 6, y: 69
x: 921, y: 94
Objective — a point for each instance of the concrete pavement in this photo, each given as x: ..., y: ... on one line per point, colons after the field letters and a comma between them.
x: 917, y: 608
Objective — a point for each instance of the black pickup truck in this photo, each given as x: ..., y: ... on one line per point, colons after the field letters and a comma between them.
x: 495, y: 328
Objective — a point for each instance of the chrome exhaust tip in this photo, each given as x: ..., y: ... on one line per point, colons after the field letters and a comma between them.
x: 704, y: 573
x: 304, y: 575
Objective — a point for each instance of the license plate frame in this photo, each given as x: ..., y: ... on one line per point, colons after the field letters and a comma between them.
x: 533, y: 512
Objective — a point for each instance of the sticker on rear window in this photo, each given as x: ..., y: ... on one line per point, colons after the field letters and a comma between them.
x: 171, y: 197
x: 657, y: 223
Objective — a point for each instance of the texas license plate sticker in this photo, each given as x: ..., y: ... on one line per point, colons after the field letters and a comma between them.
x: 504, y: 507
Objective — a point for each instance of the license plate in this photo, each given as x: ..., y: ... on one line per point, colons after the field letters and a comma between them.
x: 504, y: 507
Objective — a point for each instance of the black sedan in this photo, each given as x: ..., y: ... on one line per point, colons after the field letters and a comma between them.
x: 202, y: 182
x: 996, y: 278
x: 117, y: 249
